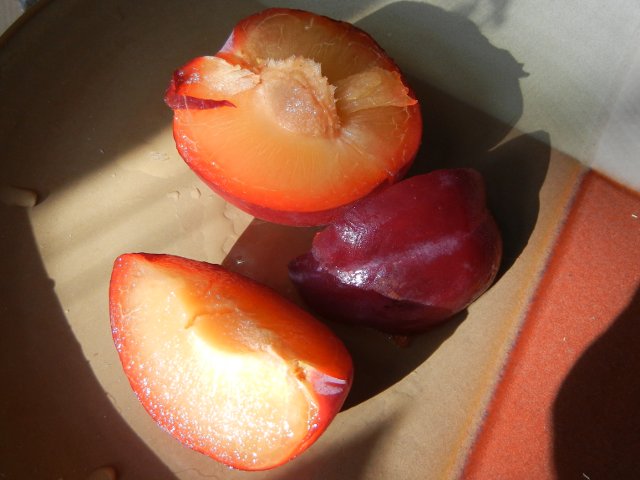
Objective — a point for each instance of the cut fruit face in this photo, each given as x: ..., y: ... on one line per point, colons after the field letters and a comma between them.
x: 225, y: 365
x: 297, y: 115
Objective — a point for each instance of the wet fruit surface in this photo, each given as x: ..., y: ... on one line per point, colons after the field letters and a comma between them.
x: 405, y: 258
x: 297, y: 116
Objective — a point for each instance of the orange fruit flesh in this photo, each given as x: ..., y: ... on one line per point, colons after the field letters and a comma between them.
x: 209, y: 373
x: 322, y: 116
x: 249, y: 152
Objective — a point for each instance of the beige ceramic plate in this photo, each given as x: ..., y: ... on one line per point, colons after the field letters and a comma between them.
x: 83, y: 126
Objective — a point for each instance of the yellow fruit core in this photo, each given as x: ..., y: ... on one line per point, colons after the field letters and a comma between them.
x: 298, y: 97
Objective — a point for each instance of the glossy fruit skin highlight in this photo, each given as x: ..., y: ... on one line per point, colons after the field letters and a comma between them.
x: 406, y: 258
x: 225, y: 365
x: 363, y: 132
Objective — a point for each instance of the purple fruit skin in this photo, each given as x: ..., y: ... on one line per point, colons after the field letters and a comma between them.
x: 406, y: 258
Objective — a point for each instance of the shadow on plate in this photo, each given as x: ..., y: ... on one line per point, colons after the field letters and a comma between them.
x: 56, y: 418
x: 445, y: 57
x: 595, y: 414
x: 344, y: 460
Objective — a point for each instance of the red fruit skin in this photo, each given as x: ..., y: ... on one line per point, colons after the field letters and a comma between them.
x: 406, y: 258
x: 308, y: 338
x: 234, y: 44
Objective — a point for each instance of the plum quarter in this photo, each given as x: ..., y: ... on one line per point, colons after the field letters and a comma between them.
x: 225, y: 365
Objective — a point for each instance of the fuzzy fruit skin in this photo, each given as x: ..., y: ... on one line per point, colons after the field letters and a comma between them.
x: 406, y: 258
x: 282, y: 205
x: 275, y: 325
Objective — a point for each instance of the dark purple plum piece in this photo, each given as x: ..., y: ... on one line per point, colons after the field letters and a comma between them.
x: 405, y: 258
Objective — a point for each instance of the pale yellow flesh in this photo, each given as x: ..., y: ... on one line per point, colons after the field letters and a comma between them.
x: 247, y: 408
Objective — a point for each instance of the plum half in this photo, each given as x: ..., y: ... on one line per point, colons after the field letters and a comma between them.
x: 406, y: 258
x: 295, y: 117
